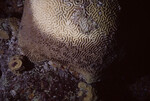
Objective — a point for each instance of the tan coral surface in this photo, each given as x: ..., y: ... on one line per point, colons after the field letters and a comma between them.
x: 74, y: 33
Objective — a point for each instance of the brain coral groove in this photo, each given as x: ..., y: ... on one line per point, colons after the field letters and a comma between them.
x: 75, y: 33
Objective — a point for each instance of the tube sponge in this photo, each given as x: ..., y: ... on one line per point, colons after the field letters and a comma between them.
x: 15, y: 64
x: 90, y: 93
x: 19, y: 63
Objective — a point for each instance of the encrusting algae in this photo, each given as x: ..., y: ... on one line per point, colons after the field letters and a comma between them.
x: 7, y: 26
x: 3, y: 34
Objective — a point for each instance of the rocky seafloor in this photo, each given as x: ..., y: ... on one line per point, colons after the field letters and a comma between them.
x: 22, y: 80
x: 35, y: 82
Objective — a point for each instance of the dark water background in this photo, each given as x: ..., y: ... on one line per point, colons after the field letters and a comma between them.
x: 133, y: 35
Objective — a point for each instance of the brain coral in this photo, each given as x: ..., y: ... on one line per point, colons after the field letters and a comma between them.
x: 77, y: 34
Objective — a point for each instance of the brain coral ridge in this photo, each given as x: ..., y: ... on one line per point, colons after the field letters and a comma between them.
x: 75, y: 33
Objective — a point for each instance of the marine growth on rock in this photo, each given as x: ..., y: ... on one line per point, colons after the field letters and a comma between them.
x: 77, y: 34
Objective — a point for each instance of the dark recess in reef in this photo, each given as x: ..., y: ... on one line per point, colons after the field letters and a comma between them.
x: 0, y: 73
x: 133, y: 36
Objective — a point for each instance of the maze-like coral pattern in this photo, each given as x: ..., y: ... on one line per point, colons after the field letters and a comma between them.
x: 75, y: 33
